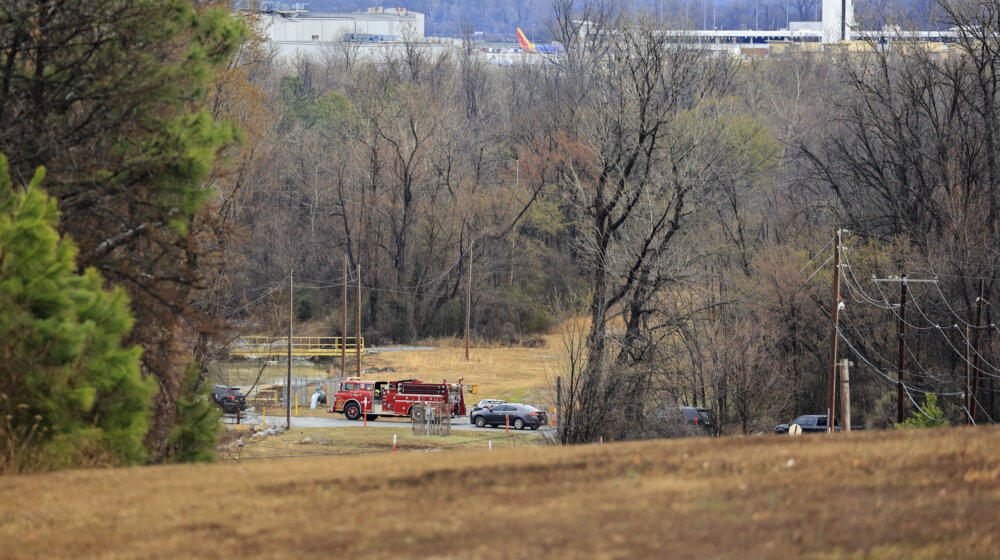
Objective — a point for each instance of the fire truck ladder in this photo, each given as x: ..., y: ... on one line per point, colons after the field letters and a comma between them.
x: 253, y: 346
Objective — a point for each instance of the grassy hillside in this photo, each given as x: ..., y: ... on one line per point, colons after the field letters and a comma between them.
x: 903, y: 494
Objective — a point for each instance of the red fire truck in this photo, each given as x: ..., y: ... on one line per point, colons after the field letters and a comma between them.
x: 394, y: 398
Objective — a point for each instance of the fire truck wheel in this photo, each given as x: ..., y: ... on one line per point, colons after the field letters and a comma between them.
x: 352, y: 411
x: 518, y: 424
x: 372, y: 417
x: 480, y: 422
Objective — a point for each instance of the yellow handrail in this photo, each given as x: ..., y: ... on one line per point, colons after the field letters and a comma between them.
x: 301, y: 346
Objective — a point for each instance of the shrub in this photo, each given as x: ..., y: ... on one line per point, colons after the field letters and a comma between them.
x: 926, y: 420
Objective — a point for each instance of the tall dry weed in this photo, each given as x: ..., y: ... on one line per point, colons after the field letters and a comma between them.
x: 19, y: 449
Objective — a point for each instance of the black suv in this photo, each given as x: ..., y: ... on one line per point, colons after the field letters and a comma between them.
x: 230, y: 399
x: 811, y: 423
x: 698, y: 416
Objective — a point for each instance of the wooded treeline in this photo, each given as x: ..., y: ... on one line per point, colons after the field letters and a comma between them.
x: 681, y: 201
x: 671, y: 209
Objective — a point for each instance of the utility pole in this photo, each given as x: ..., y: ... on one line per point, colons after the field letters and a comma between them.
x: 992, y: 393
x: 831, y: 381
x: 904, y: 290
x: 901, y: 332
x: 288, y: 379
x: 559, y: 407
x: 517, y: 181
x: 845, y: 395
x: 343, y: 331
x: 357, y: 342
x: 979, y: 338
x: 968, y: 378
x: 513, y: 250
x: 468, y: 304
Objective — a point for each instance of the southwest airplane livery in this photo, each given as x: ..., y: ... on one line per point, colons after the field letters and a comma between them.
x: 537, y: 49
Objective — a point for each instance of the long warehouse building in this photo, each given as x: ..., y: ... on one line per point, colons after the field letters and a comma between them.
x: 305, y: 32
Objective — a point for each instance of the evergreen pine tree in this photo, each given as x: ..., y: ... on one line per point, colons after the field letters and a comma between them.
x: 70, y: 392
x: 927, y: 418
x: 109, y: 96
x: 197, y: 431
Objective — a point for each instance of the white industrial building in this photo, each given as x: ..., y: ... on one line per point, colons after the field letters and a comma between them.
x: 303, y: 32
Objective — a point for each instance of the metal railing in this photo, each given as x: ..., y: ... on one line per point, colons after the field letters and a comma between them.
x: 301, y: 346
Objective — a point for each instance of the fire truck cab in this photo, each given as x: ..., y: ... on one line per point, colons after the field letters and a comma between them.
x: 394, y: 398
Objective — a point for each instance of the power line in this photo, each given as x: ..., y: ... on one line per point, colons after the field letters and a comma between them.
x: 962, y: 354
x: 850, y: 269
x: 269, y: 291
x: 953, y: 312
x: 893, y: 383
x: 818, y: 253
x: 818, y: 269
x: 909, y: 351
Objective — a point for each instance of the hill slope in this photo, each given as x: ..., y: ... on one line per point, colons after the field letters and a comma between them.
x: 931, y: 493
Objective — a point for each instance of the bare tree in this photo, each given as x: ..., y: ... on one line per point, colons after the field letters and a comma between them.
x: 631, y: 174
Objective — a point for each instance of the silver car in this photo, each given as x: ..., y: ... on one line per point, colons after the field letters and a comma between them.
x: 485, y: 404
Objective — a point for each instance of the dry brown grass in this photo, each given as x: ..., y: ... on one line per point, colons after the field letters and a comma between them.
x: 510, y: 373
x: 904, y: 494
x: 517, y: 373
x: 339, y: 441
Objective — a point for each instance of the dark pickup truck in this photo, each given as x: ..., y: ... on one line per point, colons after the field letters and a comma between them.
x: 811, y: 423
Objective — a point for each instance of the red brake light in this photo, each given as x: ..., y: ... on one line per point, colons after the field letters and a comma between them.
x: 534, y: 414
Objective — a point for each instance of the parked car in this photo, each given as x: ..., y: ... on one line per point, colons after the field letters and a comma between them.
x: 230, y: 399
x: 698, y: 416
x: 811, y: 423
x: 485, y: 404
x: 518, y: 415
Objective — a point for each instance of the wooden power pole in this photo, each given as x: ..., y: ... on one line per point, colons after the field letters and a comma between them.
x: 288, y: 379
x: 343, y: 330
x: 559, y: 421
x: 968, y: 378
x: 357, y: 342
x: 468, y: 304
x: 979, y: 338
x: 901, y: 332
x: 831, y: 381
x: 904, y: 291
x: 845, y: 395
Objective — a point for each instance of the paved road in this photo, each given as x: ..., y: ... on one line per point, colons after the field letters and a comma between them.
x: 338, y: 421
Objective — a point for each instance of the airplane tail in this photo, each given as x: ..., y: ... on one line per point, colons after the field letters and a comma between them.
x: 525, y: 43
